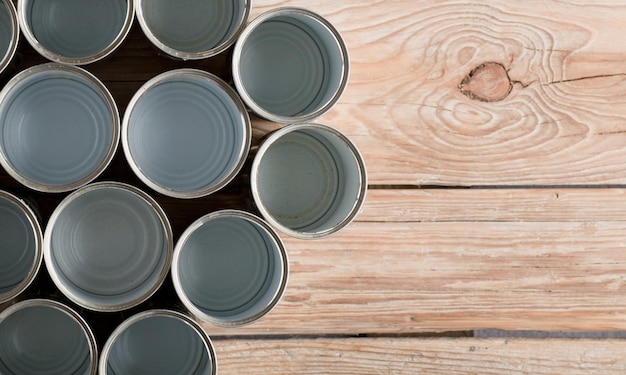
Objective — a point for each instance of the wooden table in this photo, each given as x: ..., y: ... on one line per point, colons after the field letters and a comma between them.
x: 494, y: 134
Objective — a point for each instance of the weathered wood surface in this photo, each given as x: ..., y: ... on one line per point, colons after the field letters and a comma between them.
x: 496, y: 205
x: 461, y: 356
x: 418, y: 117
x: 563, y: 122
x: 422, y: 261
x: 442, y: 93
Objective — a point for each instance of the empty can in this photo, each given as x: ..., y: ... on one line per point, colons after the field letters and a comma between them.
x: 290, y: 65
x: 59, y: 127
x: 308, y: 180
x: 20, y: 246
x: 230, y: 268
x: 9, y: 33
x: 75, y: 32
x: 192, y: 29
x: 158, y: 342
x: 42, y: 336
x: 108, y: 246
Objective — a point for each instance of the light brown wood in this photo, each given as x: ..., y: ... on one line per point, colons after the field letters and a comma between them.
x: 377, y: 356
x: 445, y: 260
x: 511, y: 205
x: 563, y: 123
x: 422, y: 277
x: 445, y: 93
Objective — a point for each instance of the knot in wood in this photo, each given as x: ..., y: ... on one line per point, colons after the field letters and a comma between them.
x: 488, y: 82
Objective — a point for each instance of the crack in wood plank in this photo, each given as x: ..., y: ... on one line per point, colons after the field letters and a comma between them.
x: 584, y: 78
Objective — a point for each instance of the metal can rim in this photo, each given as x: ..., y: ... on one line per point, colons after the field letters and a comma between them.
x: 273, y: 137
x: 237, y: 58
x: 113, y: 110
x: 93, y: 348
x: 187, y: 194
x: 183, y: 55
x: 253, y: 219
x: 47, y: 246
x: 15, y: 35
x: 152, y: 313
x: 36, y: 227
x: 32, y: 40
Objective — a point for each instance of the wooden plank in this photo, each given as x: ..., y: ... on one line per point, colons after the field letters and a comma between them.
x: 562, y: 123
x: 399, y: 356
x: 512, y: 205
x: 423, y: 277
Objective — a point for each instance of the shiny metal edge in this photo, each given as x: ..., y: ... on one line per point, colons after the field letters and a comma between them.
x: 188, y: 194
x: 113, y: 110
x: 237, y: 58
x: 182, y: 55
x: 266, y: 144
x: 43, y: 51
x: 36, y: 227
x: 47, y: 250
x: 91, y: 339
x: 15, y: 35
x: 106, y: 350
x: 254, y: 220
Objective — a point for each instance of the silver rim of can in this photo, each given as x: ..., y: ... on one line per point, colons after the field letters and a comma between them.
x: 189, y: 55
x: 247, y: 98
x: 15, y: 36
x: 265, y: 145
x: 253, y: 219
x: 187, y: 194
x: 32, y: 273
x: 32, y: 40
x: 93, y: 348
x: 106, y: 350
x: 47, y: 250
x: 114, y: 139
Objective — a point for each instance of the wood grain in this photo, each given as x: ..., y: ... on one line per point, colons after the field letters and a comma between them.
x: 469, y: 356
x: 435, y: 260
x: 461, y: 259
x: 563, y: 122
x: 495, y: 205
x: 389, y: 277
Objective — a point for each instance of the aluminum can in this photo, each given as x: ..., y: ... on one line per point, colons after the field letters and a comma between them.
x: 290, y: 65
x: 230, y: 268
x: 186, y: 133
x: 9, y: 33
x: 75, y: 32
x: 20, y: 246
x: 308, y: 180
x: 59, y: 127
x: 158, y: 342
x: 41, y: 336
x: 192, y: 29
x: 108, y: 246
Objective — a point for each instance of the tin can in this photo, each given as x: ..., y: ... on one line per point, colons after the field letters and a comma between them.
x: 108, y: 246
x: 192, y: 29
x: 9, y: 33
x: 59, y: 127
x: 42, y: 336
x: 20, y: 246
x: 186, y: 133
x: 290, y: 65
x: 308, y: 180
x: 158, y: 342
x: 230, y: 268
x: 75, y: 32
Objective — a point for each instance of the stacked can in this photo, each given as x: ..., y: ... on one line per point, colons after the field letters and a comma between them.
x: 186, y: 133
